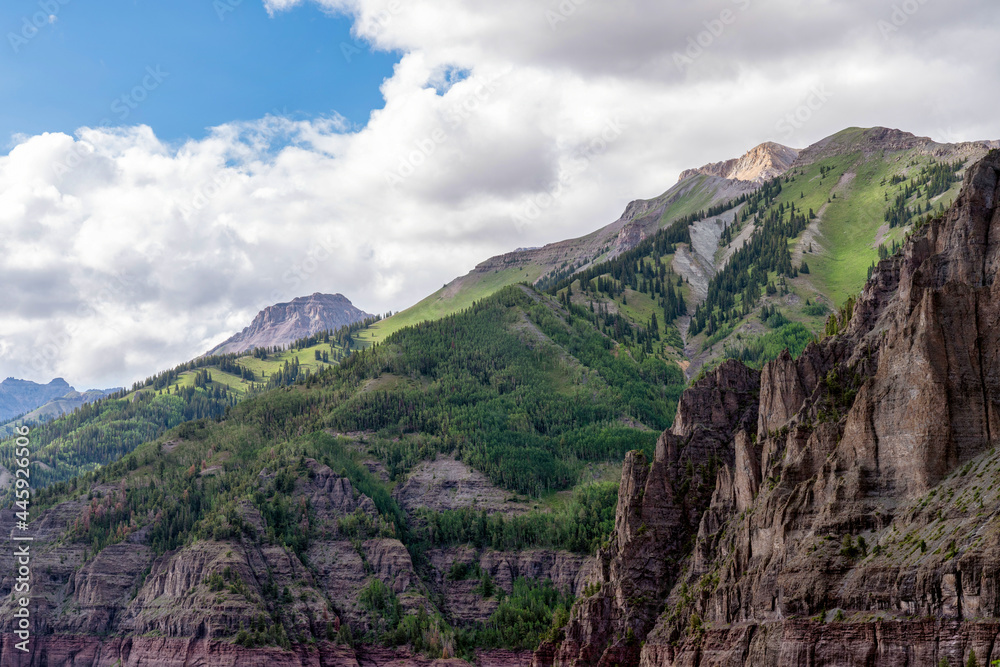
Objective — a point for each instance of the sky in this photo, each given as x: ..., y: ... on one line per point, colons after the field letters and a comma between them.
x: 169, y: 169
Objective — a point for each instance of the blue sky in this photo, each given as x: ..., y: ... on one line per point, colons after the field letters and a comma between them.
x: 218, y: 62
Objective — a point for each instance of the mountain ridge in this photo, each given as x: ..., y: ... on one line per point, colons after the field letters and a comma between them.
x: 199, y: 532
x: 696, y: 192
x: 744, y: 533
x: 20, y: 396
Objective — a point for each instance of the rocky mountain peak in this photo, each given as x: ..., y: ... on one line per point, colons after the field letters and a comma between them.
x: 759, y: 164
x: 284, y: 323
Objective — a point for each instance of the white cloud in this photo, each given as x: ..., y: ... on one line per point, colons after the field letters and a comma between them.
x: 121, y: 255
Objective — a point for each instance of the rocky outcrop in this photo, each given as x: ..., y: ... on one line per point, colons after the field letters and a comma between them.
x: 447, y: 484
x: 285, y: 323
x: 332, y: 497
x: 854, y: 518
x: 196, y: 598
x: 464, y: 602
x: 104, y: 586
x: 236, y: 594
x: 659, y: 506
x: 874, y: 505
x: 757, y: 165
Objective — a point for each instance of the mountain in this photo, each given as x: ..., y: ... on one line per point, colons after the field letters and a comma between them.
x: 759, y: 164
x: 58, y: 407
x: 687, y: 200
x: 97, y: 428
x: 851, y: 181
x: 417, y: 498
x: 819, y: 494
x: 20, y: 396
x: 713, y: 269
x: 283, y: 323
x: 840, y: 508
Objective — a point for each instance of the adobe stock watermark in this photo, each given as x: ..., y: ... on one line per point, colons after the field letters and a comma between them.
x: 456, y: 116
x: 225, y: 7
x: 699, y: 43
x: 113, y: 290
x: 562, y: 12
x: 802, y: 114
x: 20, y: 541
x: 541, y: 202
x: 77, y: 154
x: 320, y: 252
x: 129, y: 101
x: 901, y: 14
x: 47, y: 14
x: 205, y: 193
x: 381, y: 22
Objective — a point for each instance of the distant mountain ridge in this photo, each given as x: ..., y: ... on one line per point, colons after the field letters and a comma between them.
x: 284, y: 323
x: 20, y: 396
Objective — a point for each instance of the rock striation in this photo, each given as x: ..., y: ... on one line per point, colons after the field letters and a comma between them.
x: 130, y: 605
x: 854, y: 512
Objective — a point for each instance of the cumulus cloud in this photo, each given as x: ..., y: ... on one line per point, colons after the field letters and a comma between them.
x: 122, y: 254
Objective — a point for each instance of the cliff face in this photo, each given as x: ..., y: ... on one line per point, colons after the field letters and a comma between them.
x: 658, y: 510
x: 284, y: 323
x: 855, y: 515
x: 129, y: 605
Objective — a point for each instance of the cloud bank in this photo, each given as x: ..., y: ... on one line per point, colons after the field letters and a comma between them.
x: 123, y: 254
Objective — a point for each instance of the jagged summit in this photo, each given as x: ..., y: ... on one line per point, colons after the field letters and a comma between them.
x: 284, y: 323
x: 760, y: 163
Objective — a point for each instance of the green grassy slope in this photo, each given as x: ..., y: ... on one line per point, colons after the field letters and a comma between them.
x: 847, y: 183
x: 694, y: 194
x: 452, y: 298
x: 830, y: 216
x: 698, y: 195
